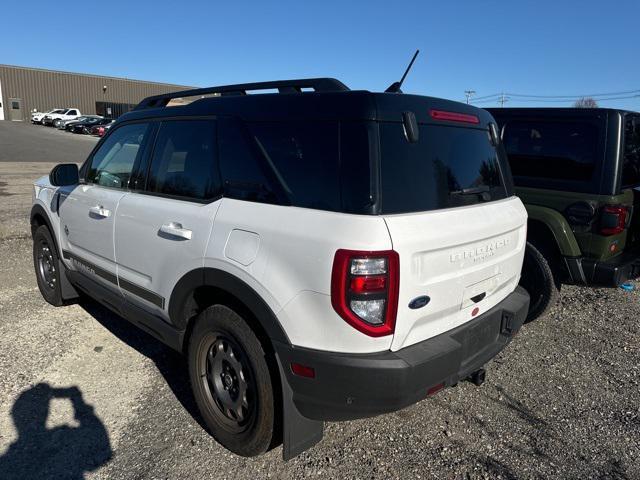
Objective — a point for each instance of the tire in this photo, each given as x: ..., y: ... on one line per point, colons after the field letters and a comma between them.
x: 226, y: 359
x: 540, y: 281
x: 46, y: 265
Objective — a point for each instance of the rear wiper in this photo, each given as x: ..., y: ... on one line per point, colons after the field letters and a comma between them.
x: 472, y: 191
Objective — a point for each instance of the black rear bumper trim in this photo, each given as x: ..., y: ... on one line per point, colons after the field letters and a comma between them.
x: 350, y: 386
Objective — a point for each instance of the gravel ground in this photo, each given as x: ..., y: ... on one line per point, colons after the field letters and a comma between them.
x: 93, y: 396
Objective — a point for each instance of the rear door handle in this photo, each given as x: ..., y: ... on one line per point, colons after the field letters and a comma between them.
x: 175, y: 229
x: 100, y: 211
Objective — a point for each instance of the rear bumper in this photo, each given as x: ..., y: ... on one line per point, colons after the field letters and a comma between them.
x: 612, y: 272
x: 349, y: 386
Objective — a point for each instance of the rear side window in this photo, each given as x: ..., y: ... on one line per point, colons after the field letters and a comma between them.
x: 447, y: 167
x: 304, y: 157
x: 631, y: 159
x: 184, y: 160
x: 558, y: 150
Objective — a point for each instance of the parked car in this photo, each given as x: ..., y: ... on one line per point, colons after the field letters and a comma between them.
x: 577, y: 172
x: 100, y: 130
x: 67, y: 124
x: 318, y: 255
x: 85, y: 126
x: 68, y: 114
x: 38, y: 117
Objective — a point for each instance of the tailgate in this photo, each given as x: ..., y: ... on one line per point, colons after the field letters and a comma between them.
x: 461, y: 258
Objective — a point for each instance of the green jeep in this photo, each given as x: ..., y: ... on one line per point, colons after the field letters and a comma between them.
x: 578, y: 173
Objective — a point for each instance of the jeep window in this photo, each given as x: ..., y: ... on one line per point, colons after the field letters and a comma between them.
x: 447, y: 167
x: 112, y: 164
x: 631, y: 159
x: 559, y: 150
x: 304, y: 158
x: 184, y: 160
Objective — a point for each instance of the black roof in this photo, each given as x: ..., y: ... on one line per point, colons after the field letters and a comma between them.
x: 329, y: 100
x: 498, y: 111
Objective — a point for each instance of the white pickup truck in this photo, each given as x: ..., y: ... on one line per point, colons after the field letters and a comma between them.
x: 67, y: 114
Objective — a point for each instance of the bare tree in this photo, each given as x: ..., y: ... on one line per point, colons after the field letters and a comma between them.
x: 586, y: 102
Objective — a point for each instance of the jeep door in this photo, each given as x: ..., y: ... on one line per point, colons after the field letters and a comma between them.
x: 87, y: 212
x: 162, y: 229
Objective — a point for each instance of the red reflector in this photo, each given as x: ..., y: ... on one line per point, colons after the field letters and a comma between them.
x: 435, y: 389
x: 475, y: 311
x: 303, y: 370
x: 366, y: 284
x: 454, y: 116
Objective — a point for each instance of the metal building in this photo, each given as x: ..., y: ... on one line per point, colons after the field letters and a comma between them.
x: 24, y: 90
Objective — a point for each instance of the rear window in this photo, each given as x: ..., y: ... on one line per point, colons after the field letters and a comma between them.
x: 558, y: 150
x: 447, y: 167
x: 631, y: 159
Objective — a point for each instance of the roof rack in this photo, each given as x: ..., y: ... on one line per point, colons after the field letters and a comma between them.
x: 283, y: 86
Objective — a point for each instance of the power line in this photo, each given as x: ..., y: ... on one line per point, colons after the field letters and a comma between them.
x: 555, y: 98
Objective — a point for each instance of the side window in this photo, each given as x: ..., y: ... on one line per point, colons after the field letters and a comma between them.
x: 112, y: 164
x: 245, y: 177
x: 72, y: 112
x: 559, y: 150
x: 184, y: 160
x: 631, y: 160
x: 304, y: 156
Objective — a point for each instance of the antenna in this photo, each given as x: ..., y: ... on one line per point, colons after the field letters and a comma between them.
x: 395, y: 86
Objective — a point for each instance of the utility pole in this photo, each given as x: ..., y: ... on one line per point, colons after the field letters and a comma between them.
x: 503, y: 99
x: 469, y: 94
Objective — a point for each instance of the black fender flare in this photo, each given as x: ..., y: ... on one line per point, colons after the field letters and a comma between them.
x: 225, y: 281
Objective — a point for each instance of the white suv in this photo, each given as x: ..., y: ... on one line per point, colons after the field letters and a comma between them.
x: 318, y: 253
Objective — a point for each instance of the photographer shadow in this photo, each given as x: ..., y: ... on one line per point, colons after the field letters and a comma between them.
x: 61, y: 452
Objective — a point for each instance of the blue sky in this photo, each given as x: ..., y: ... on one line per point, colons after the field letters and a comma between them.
x: 561, y: 47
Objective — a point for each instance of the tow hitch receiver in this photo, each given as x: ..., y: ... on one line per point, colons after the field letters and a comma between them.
x: 478, y: 377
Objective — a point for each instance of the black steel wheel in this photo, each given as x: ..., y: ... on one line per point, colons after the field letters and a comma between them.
x: 45, y: 261
x: 232, y: 381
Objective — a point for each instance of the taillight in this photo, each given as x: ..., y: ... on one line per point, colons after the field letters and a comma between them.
x: 364, y: 290
x: 613, y: 219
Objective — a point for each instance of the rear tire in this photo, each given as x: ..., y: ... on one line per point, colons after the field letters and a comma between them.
x: 231, y: 381
x: 46, y: 264
x: 540, y: 281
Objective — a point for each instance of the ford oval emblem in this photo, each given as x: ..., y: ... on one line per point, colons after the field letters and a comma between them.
x: 419, y: 302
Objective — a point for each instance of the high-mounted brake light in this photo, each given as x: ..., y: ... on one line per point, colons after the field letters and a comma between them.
x: 364, y: 290
x: 454, y: 116
x: 613, y: 220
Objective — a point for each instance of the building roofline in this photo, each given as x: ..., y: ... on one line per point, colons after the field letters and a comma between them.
x: 91, y: 75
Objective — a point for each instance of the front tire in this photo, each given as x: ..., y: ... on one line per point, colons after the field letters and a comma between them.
x: 46, y: 264
x: 231, y: 381
x: 540, y: 281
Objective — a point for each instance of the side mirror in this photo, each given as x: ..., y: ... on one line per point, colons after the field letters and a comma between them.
x: 64, y: 175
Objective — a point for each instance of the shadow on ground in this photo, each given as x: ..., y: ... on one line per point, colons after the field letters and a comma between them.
x: 60, y: 452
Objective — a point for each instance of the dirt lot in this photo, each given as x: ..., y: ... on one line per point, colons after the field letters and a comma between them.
x: 82, y: 392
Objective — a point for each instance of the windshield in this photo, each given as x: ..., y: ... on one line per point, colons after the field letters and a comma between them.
x: 447, y: 167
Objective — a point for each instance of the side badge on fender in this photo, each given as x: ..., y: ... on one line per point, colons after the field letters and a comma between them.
x: 419, y: 302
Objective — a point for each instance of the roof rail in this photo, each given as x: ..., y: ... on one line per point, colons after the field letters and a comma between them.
x: 283, y: 86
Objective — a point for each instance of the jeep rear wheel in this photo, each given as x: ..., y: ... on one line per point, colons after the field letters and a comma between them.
x: 539, y: 280
x: 231, y: 381
x: 45, y: 262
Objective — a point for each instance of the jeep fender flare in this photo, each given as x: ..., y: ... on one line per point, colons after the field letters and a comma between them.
x: 559, y: 226
x: 225, y: 281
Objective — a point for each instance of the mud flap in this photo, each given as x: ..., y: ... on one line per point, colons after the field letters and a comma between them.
x: 68, y: 291
x: 298, y: 432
